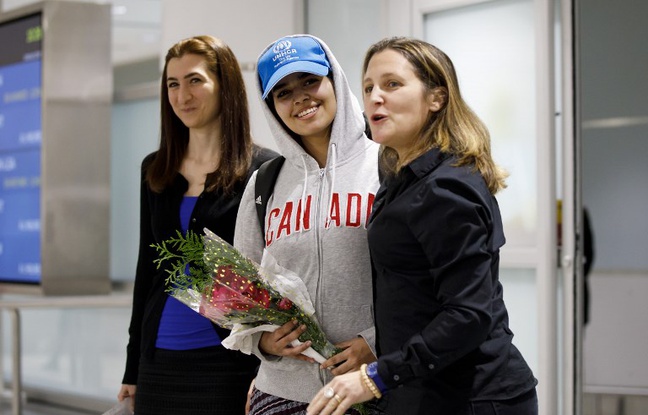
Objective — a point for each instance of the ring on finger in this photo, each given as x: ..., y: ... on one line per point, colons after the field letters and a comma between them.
x: 338, y: 398
x: 329, y: 393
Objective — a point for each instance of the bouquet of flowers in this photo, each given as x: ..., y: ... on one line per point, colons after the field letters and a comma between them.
x: 236, y: 293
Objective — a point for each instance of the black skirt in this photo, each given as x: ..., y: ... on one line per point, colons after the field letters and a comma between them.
x: 212, y: 380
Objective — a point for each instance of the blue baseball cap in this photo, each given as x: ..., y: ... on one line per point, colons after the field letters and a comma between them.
x: 288, y: 55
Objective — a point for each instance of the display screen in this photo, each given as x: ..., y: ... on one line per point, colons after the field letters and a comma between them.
x: 20, y: 149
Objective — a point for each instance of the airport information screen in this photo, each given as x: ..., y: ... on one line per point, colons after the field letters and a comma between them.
x: 20, y: 149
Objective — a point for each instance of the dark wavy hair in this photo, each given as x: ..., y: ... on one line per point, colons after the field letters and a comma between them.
x: 236, y: 146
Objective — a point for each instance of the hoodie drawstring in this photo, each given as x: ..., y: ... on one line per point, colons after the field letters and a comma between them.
x: 332, y: 163
x: 303, y: 196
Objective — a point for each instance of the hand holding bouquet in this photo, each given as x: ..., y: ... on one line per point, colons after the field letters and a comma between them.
x: 236, y: 293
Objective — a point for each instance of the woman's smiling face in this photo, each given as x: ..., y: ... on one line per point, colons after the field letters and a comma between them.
x: 306, y: 104
x: 193, y: 91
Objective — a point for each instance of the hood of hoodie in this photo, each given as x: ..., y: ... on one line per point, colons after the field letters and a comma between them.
x: 347, y: 132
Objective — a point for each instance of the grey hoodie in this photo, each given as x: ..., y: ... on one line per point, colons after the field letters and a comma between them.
x: 329, y: 252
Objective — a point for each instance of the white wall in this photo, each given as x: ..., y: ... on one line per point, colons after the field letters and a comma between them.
x: 357, y: 25
x: 615, y: 348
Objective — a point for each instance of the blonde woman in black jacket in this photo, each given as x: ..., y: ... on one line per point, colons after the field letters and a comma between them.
x: 444, y: 344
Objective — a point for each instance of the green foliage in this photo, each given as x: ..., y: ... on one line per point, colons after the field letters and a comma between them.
x: 218, y: 255
x: 180, y: 252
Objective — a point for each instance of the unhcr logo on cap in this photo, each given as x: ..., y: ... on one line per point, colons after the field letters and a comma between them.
x: 300, y: 53
x: 283, y: 51
x: 281, y: 45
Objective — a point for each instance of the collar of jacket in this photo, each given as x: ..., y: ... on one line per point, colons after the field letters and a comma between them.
x: 425, y: 163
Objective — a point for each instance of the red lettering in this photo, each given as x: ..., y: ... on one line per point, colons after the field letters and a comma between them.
x: 305, y: 218
x: 284, y: 226
x: 353, y: 210
x: 295, y: 217
x: 269, y: 233
x: 335, y: 211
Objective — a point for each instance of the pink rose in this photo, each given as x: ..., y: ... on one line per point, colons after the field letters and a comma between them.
x: 284, y: 304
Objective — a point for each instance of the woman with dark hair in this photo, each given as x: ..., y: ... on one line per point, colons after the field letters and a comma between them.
x: 175, y: 361
x: 315, y: 224
x: 442, y: 335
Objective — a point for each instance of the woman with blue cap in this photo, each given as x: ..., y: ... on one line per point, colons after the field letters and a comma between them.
x: 316, y: 219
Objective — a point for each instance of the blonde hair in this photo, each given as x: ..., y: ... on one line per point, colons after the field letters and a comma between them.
x: 455, y: 128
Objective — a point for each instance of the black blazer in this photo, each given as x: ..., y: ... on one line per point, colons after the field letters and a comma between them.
x: 159, y: 221
x: 441, y: 323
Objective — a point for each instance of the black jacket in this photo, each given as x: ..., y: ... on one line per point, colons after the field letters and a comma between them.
x: 441, y: 323
x: 159, y: 221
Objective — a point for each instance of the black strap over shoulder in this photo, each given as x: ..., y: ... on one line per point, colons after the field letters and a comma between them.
x: 264, y: 186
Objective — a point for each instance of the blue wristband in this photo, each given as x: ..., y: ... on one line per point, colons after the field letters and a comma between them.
x: 372, y: 372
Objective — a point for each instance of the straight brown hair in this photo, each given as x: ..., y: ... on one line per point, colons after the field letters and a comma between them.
x: 236, y: 146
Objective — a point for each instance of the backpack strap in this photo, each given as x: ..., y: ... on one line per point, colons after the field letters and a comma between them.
x: 264, y: 187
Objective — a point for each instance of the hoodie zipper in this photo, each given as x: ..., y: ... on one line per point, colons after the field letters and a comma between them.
x: 318, y: 293
x: 318, y: 234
